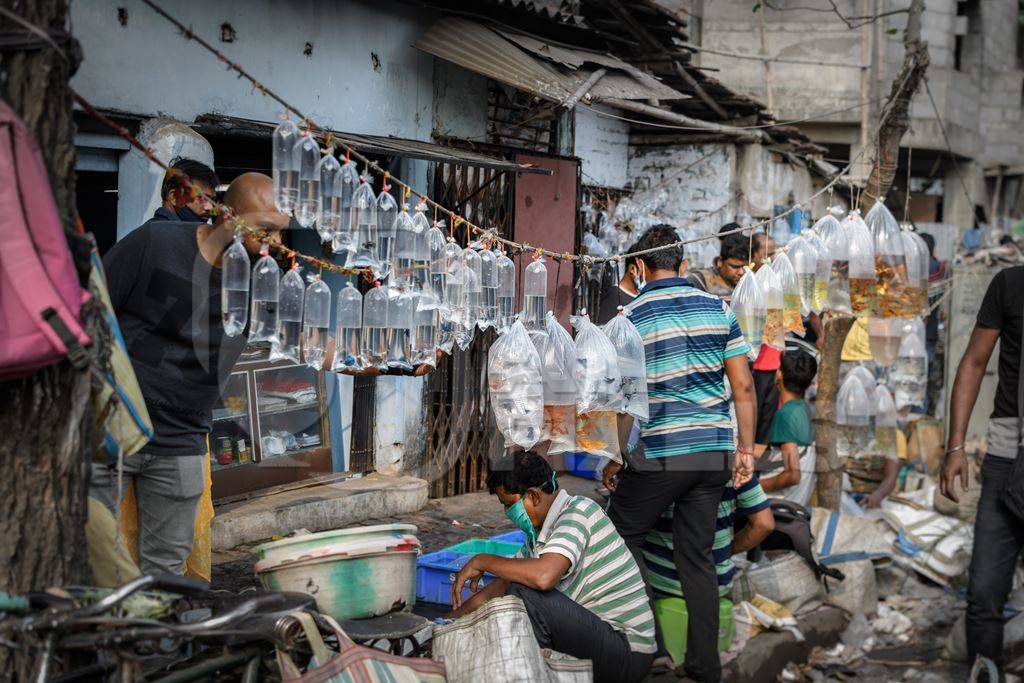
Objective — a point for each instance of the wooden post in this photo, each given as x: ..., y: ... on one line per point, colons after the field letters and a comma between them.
x: 891, y: 130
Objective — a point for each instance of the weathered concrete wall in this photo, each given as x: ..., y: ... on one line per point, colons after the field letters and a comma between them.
x: 362, y: 75
x: 460, y: 99
x: 602, y: 144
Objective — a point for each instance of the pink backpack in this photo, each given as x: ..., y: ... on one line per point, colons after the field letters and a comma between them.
x: 40, y: 295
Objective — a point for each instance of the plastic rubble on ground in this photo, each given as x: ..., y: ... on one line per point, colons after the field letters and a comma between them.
x: 933, y: 544
x: 750, y: 308
x: 760, y: 614
x: 783, y: 577
x: 893, y: 298
x: 792, y: 320
x: 891, y: 621
x: 291, y: 297
x: 516, y: 387
x: 773, y: 333
x: 632, y: 364
x: 858, y: 634
x: 863, y: 285
x: 558, y: 366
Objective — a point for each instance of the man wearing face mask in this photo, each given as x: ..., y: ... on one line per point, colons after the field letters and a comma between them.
x: 187, y: 202
x: 581, y: 586
x: 622, y: 292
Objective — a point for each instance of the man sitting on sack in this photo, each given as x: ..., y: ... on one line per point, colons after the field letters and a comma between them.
x: 579, y: 583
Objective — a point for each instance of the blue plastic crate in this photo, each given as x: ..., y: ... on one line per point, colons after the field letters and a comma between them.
x: 584, y: 465
x: 435, y: 573
x: 516, y: 536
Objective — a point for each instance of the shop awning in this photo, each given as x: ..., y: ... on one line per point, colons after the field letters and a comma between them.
x: 550, y: 70
x: 372, y: 144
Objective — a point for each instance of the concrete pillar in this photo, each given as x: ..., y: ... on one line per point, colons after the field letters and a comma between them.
x: 139, y: 179
x: 957, y: 209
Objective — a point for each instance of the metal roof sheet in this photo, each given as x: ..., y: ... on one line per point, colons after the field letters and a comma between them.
x: 549, y: 70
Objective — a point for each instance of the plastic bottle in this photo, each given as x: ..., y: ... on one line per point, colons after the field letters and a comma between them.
x: 363, y: 225
x: 289, y: 317
x: 558, y: 366
x: 891, y: 276
x: 330, y: 197
x: 285, y: 166
x: 307, y: 203
x: 375, y: 324
x: 234, y: 293
x: 405, y: 245
x: 401, y: 307
x: 910, y: 371
x: 771, y: 289
x: 506, y: 291
x: 420, y: 251
x: 535, y: 294
x: 489, y: 290
x: 438, y: 264
x: 266, y: 280
x: 792, y: 306
x: 316, y: 321
x: 853, y: 415
x: 748, y: 305
x: 424, y: 333
x: 348, y: 353
x: 863, y: 283
x: 344, y: 239
x: 884, y: 338
x: 886, y: 423
x: 804, y: 259
x: 387, y: 213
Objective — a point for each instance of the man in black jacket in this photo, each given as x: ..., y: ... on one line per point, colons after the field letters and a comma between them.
x: 165, y: 287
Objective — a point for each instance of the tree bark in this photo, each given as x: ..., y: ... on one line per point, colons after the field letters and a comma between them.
x: 43, y: 417
x: 893, y: 126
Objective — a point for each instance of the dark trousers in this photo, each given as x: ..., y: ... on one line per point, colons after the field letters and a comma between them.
x: 694, y: 483
x: 767, y: 395
x: 998, y: 540
x: 563, y: 625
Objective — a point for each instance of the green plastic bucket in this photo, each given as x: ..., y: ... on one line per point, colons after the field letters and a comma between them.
x: 673, y: 620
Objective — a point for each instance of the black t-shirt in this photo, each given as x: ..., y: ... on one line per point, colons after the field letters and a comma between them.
x: 1003, y: 309
x: 612, y: 296
x: 167, y: 300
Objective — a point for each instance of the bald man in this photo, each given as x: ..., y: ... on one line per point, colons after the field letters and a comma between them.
x: 165, y: 283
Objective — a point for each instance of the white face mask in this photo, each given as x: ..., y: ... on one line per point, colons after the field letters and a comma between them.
x: 639, y: 281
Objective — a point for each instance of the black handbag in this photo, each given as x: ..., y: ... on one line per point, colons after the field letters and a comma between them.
x: 1013, y: 491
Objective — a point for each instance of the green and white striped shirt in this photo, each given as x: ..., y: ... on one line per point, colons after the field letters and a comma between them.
x: 603, y: 577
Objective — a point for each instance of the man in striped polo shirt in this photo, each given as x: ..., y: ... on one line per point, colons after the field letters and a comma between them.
x: 581, y: 586
x: 692, y: 343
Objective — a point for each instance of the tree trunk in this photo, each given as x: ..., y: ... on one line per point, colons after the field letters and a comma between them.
x: 42, y: 418
x: 891, y: 130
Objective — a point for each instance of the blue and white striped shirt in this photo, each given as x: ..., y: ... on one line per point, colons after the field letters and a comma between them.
x: 688, y: 335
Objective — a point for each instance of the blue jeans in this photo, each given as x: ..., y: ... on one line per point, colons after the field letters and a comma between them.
x: 998, y: 540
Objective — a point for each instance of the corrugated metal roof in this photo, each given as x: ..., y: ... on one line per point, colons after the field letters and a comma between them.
x: 373, y: 144
x: 551, y: 71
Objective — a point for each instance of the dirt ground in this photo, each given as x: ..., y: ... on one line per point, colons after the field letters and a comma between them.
x: 911, y: 655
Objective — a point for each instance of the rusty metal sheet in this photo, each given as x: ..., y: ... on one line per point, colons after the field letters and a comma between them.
x: 545, y: 216
x: 543, y: 69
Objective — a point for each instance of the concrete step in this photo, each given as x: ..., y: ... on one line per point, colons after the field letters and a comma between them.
x: 317, y: 508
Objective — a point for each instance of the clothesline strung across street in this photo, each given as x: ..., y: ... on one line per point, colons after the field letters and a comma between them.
x: 489, y: 235
x: 218, y: 206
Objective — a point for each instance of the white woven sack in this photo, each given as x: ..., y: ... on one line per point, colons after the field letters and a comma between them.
x: 496, y: 644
